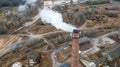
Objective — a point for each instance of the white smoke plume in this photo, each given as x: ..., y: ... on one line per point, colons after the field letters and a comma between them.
x: 23, y: 7
x: 54, y: 18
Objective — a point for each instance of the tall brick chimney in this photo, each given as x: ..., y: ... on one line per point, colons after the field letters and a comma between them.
x: 75, y: 48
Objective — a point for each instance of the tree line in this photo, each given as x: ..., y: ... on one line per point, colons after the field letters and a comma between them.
x: 5, y: 3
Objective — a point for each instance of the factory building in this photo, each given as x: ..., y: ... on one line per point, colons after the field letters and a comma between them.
x: 104, y: 41
x: 87, y: 63
x: 65, y: 65
x: 34, y: 59
x: 109, y: 54
x: 112, y: 53
x: 50, y: 4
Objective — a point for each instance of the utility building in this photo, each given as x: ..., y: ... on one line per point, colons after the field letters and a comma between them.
x: 87, y: 63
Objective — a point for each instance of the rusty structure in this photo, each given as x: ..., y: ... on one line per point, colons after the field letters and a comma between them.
x: 75, y: 49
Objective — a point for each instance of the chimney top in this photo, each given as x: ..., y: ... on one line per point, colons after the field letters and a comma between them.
x: 75, y: 31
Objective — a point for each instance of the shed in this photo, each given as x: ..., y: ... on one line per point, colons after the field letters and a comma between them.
x: 65, y: 65
x: 112, y: 53
x: 84, y: 40
x: 34, y: 58
x: 112, y: 8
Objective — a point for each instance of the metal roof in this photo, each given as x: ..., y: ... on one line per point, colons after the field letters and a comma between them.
x: 84, y: 39
x: 112, y: 7
x: 65, y: 65
x: 111, y: 54
x: 115, y: 53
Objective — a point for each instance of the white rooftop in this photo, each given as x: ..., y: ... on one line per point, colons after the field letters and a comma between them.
x: 17, y: 64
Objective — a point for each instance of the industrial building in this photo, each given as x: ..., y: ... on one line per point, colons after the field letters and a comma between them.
x: 87, y: 63
x: 33, y: 41
x: 50, y: 4
x: 65, y: 65
x: 17, y: 64
x: 112, y: 53
x: 104, y: 41
x: 34, y: 59
x: 112, y: 8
